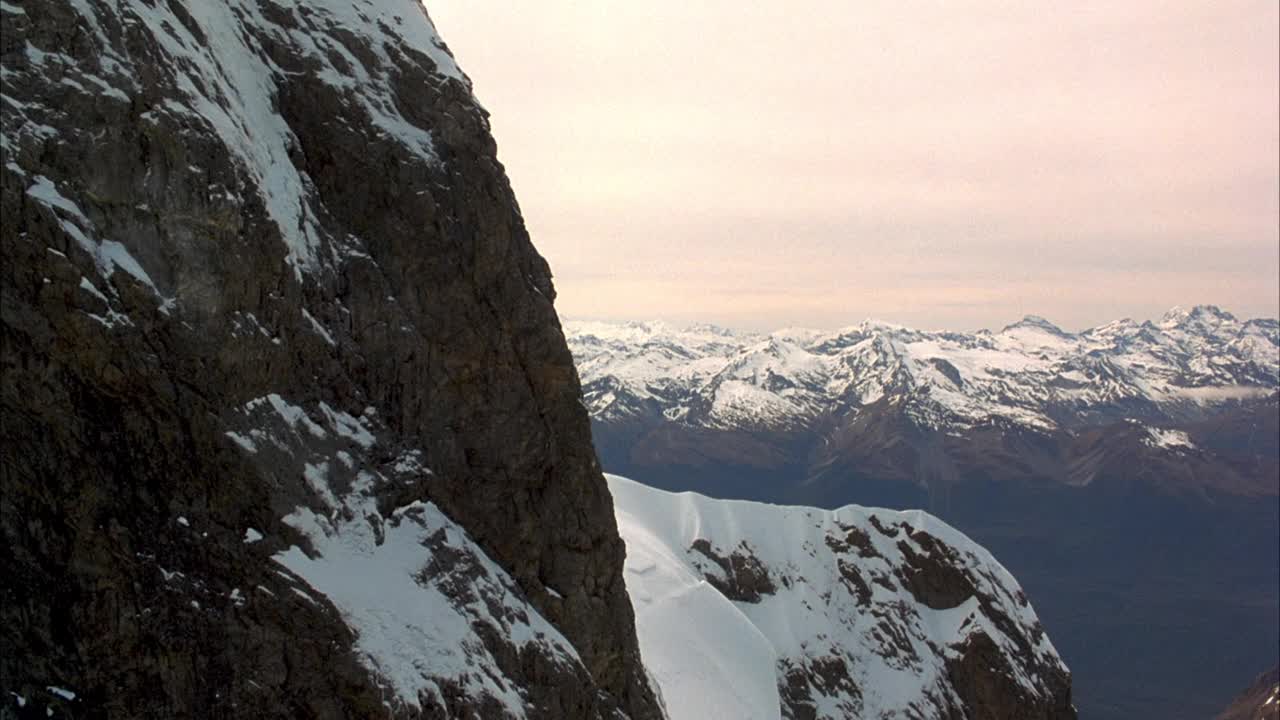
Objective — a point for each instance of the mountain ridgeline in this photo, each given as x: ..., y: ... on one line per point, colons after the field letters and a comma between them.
x: 928, y: 410
x: 291, y: 430
x: 1127, y: 474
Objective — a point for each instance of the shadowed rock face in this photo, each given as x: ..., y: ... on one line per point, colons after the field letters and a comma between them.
x: 742, y: 577
x: 269, y: 305
x: 1261, y: 701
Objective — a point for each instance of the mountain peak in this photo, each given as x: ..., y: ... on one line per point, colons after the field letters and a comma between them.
x: 711, y: 329
x: 1178, y: 315
x: 1037, y: 322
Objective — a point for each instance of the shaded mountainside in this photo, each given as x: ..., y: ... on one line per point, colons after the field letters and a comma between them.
x: 1129, y: 475
x: 1261, y: 701
x: 747, y: 610
x: 289, y: 424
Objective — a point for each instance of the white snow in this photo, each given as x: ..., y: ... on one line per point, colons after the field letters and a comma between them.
x: 709, y: 660
x: 320, y: 329
x: 411, y: 463
x: 45, y: 191
x: 228, y: 84
x: 317, y: 477
x: 717, y: 658
x: 290, y: 413
x: 108, y: 255
x: 93, y: 289
x: 245, y: 443
x: 409, y: 630
x: 1165, y: 438
x: 63, y: 693
x: 1208, y: 395
x: 348, y: 426
x: 414, y: 613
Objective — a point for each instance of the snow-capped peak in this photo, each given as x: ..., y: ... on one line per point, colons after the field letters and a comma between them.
x: 1178, y: 315
x: 1038, y: 323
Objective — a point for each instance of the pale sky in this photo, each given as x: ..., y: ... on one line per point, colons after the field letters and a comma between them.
x: 938, y: 164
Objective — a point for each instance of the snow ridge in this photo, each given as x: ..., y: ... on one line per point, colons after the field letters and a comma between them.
x: 758, y: 611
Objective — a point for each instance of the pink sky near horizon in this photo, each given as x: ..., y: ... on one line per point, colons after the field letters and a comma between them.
x: 953, y: 165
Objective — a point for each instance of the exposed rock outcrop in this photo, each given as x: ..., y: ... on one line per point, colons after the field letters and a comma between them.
x: 290, y: 428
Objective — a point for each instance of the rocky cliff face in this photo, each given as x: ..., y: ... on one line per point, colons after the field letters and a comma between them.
x: 289, y: 424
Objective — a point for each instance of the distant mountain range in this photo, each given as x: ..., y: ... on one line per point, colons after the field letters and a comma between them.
x: 1031, y: 374
x: 1128, y: 474
x: 934, y: 408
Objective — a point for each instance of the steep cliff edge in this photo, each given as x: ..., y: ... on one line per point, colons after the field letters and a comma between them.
x: 289, y: 424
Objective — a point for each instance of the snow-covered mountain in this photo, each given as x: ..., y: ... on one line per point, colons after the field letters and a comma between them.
x: 1121, y: 472
x: 1030, y: 375
x: 761, y: 612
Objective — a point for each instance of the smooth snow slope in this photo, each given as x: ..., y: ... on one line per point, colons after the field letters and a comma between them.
x: 708, y: 657
x: 718, y: 658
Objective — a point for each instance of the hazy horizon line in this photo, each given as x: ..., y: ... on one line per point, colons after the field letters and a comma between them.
x: 730, y: 326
